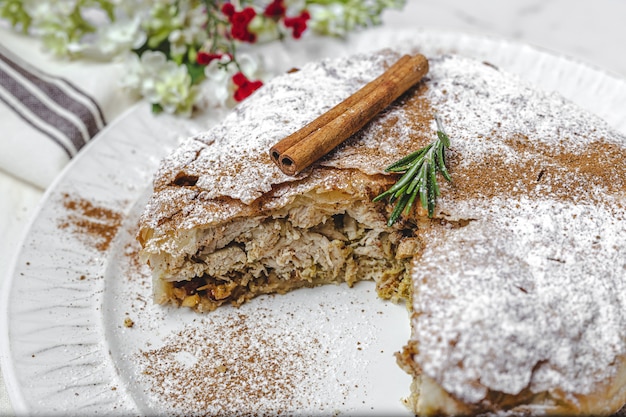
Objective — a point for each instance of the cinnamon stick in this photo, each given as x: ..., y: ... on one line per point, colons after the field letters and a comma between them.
x: 277, y: 150
x: 348, y: 117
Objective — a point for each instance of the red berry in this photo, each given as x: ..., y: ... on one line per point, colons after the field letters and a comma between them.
x: 240, y: 21
x: 239, y: 79
x: 245, y: 87
x: 297, y: 24
x: 205, y: 58
x: 275, y: 9
x: 228, y: 9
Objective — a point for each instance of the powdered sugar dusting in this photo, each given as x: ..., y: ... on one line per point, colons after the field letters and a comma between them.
x: 232, y: 159
x: 230, y: 162
x: 477, y: 102
x: 530, y: 294
x: 533, y: 298
x: 294, y: 354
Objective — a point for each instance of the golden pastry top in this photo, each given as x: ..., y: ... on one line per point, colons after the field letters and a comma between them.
x: 525, y: 257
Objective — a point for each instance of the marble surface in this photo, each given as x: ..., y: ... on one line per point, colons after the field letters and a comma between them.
x: 591, y: 32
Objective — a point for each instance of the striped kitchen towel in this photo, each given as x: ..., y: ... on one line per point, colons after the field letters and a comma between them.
x: 45, y: 118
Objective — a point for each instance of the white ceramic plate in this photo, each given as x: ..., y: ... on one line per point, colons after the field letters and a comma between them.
x: 66, y: 341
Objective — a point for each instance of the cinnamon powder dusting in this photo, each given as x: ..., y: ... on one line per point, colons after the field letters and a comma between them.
x: 94, y: 225
x: 402, y: 128
x: 541, y: 171
x: 530, y: 243
x: 260, y: 371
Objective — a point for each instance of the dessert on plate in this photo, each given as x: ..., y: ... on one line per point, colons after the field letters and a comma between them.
x: 516, y: 284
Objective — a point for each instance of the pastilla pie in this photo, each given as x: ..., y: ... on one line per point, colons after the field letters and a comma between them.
x: 516, y: 284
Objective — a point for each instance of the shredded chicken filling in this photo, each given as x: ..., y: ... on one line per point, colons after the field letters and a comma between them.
x: 275, y: 256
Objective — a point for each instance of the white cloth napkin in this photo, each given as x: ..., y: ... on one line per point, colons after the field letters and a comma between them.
x: 51, y: 108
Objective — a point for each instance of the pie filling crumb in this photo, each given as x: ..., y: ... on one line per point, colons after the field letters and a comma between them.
x: 305, y: 248
x: 524, y: 319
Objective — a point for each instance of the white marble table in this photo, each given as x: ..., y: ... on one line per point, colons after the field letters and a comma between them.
x: 591, y: 32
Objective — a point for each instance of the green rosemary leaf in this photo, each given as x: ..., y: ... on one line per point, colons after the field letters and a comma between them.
x: 432, y: 195
x: 406, y: 162
x: 406, y: 178
x: 400, y: 164
x: 380, y: 196
x: 432, y: 173
x: 443, y: 138
x: 419, y: 177
x: 423, y: 190
x: 441, y: 164
x: 414, y: 184
x: 397, y: 211
x: 409, y: 204
x: 401, y: 191
x: 441, y: 134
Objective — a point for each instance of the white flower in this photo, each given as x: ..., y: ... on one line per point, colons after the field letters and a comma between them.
x: 56, y: 10
x: 120, y: 36
x: 58, y: 43
x: 329, y: 20
x: 340, y: 17
x: 134, y: 8
x: 217, y: 90
x: 161, y: 82
x: 265, y: 29
x: 134, y: 73
x: 106, y: 29
x: 191, y: 22
x: 51, y: 23
x: 251, y: 67
x: 114, y: 39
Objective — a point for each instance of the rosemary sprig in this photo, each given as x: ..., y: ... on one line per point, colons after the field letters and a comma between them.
x: 420, y: 177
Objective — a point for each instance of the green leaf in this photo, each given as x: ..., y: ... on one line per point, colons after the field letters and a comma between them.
x: 432, y: 172
x: 443, y: 138
x: 156, y: 108
x: 414, y: 184
x: 432, y: 195
x: 406, y: 162
x: 441, y: 164
x: 196, y: 72
x: 14, y: 12
x: 410, y: 204
x: 397, y: 211
x: 441, y: 133
x: 423, y: 190
x: 419, y: 177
